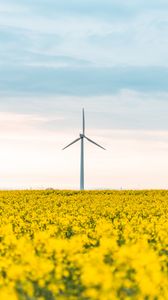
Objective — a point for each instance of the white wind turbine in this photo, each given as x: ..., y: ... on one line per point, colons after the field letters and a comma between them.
x: 81, y: 138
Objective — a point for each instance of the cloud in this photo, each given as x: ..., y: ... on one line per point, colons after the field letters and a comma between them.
x: 31, y: 156
x: 126, y: 109
x: 50, y: 33
x: 81, y: 81
x: 25, y: 127
x: 113, y: 8
x: 11, y: 7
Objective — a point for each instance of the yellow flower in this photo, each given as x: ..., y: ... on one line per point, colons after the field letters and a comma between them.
x: 100, y: 245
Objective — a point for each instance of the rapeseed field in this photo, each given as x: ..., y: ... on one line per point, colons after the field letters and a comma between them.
x: 107, y: 245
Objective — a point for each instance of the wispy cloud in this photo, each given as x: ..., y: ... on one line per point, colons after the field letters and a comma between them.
x: 31, y: 156
x: 81, y: 81
x: 25, y: 127
x: 125, y: 109
x: 135, y: 34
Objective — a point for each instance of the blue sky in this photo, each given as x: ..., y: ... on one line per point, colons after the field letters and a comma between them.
x: 110, y: 57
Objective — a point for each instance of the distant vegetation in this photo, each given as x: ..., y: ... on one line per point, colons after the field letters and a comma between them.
x: 103, y: 245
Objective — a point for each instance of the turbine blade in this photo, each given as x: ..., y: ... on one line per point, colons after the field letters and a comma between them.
x: 71, y: 143
x: 83, y: 123
x: 94, y: 142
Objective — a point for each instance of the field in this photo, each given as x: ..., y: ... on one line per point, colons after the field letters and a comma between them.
x: 103, y: 245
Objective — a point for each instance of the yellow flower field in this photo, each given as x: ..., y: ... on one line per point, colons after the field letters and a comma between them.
x: 103, y: 245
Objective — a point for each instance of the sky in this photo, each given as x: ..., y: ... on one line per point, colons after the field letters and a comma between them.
x: 108, y: 56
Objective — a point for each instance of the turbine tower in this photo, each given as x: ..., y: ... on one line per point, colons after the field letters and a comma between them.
x: 81, y: 138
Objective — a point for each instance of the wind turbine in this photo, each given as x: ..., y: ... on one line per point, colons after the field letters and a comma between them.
x: 81, y: 138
